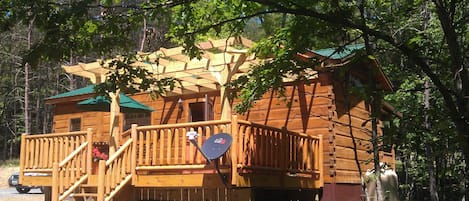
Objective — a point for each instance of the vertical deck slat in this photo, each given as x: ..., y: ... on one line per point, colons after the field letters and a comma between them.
x: 154, y: 137
x: 184, y: 146
x: 199, y: 142
x: 147, y: 149
x: 42, y: 152
x: 61, y: 149
x: 36, y: 152
x: 169, y: 146
x: 191, y: 153
x: 141, y: 135
x: 177, y: 146
x: 208, y: 131
x: 48, y: 154
x: 161, y: 146
x: 27, y: 148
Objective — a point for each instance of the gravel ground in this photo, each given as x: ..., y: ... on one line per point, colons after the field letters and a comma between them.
x: 10, y: 194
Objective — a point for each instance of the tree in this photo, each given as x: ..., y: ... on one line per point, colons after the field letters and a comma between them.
x: 390, y: 28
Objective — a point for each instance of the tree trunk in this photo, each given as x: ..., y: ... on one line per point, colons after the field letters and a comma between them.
x: 144, y: 35
x: 428, y: 149
x: 374, y: 132
x: 430, y: 160
x: 27, y: 124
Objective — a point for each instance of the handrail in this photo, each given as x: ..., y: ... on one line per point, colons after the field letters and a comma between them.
x: 72, y: 171
x: 73, y: 154
x: 125, y: 136
x: 115, y: 172
x: 50, y: 135
x: 69, y: 173
x: 180, y: 125
x: 39, y: 152
x: 277, y: 129
x: 119, y: 152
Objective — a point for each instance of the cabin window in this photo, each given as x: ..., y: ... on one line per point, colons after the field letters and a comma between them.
x: 201, y: 111
x: 142, y: 119
x: 75, y: 124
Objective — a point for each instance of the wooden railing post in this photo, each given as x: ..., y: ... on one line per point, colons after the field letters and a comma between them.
x: 101, y: 180
x: 234, y: 150
x: 89, y: 158
x: 285, y: 148
x: 22, y: 157
x: 133, y: 163
x: 321, y: 164
x: 55, y: 182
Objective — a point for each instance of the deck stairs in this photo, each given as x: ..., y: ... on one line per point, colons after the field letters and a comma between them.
x: 86, y: 192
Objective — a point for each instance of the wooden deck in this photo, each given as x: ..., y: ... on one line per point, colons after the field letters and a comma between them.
x: 161, y: 156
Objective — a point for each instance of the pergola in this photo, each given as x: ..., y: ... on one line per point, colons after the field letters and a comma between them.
x: 221, y: 61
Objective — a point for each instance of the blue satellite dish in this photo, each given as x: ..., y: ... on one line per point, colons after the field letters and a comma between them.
x: 216, y: 145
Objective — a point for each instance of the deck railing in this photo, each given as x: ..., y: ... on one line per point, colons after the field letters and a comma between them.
x: 70, y: 173
x: 116, y: 172
x: 40, y: 152
x: 167, y: 145
x: 267, y: 148
x: 255, y: 147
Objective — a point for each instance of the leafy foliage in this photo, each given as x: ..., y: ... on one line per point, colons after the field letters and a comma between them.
x: 414, y: 40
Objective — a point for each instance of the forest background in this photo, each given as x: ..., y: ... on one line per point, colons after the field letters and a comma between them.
x: 422, y: 45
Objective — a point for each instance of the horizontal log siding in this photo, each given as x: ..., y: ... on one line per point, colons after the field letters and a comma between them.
x: 305, y: 109
x: 98, y: 121
x: 346, y: 169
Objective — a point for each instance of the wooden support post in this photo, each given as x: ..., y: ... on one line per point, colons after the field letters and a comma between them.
x: 55, y: 182
x: 89, y: 157
x: 225, y: 103
x: 321, y: 163
x: 226, y: 75
x: 234, y: 150
x: 114, y: 122
x: 47, y: 193
x: 22, y: 157
x: 101, y: 180
x: 133, y: 164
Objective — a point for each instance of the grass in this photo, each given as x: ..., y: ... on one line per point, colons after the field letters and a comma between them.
x: 10, y: 163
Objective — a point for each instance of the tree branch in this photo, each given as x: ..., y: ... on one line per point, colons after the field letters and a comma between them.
x: 406, y: 50
x: 203, y: 29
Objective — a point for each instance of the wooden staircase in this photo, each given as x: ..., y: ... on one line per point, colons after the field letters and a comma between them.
x: 72, y: 176
x: 86, y: 192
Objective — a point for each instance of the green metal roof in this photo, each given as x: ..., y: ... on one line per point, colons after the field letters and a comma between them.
x: 339, y: 52
x: 82, y: 91
x: 101, y: 103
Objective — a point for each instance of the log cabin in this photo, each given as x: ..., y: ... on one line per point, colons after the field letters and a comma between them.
x: 310, y: 144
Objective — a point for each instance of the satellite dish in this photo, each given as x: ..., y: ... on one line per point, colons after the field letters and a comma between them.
x: 216, y: 145
x: 213, y: 148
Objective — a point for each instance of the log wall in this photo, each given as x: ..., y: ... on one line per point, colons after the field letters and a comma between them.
x: 315, y: 108
x: 351, y: 128
x: 98, y: 121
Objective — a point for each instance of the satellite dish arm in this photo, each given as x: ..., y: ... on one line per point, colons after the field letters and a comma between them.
x: 192, y: 135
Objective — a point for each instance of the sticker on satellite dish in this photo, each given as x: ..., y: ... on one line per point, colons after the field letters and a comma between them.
x: 220, y: 141
x: 216, y: 145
